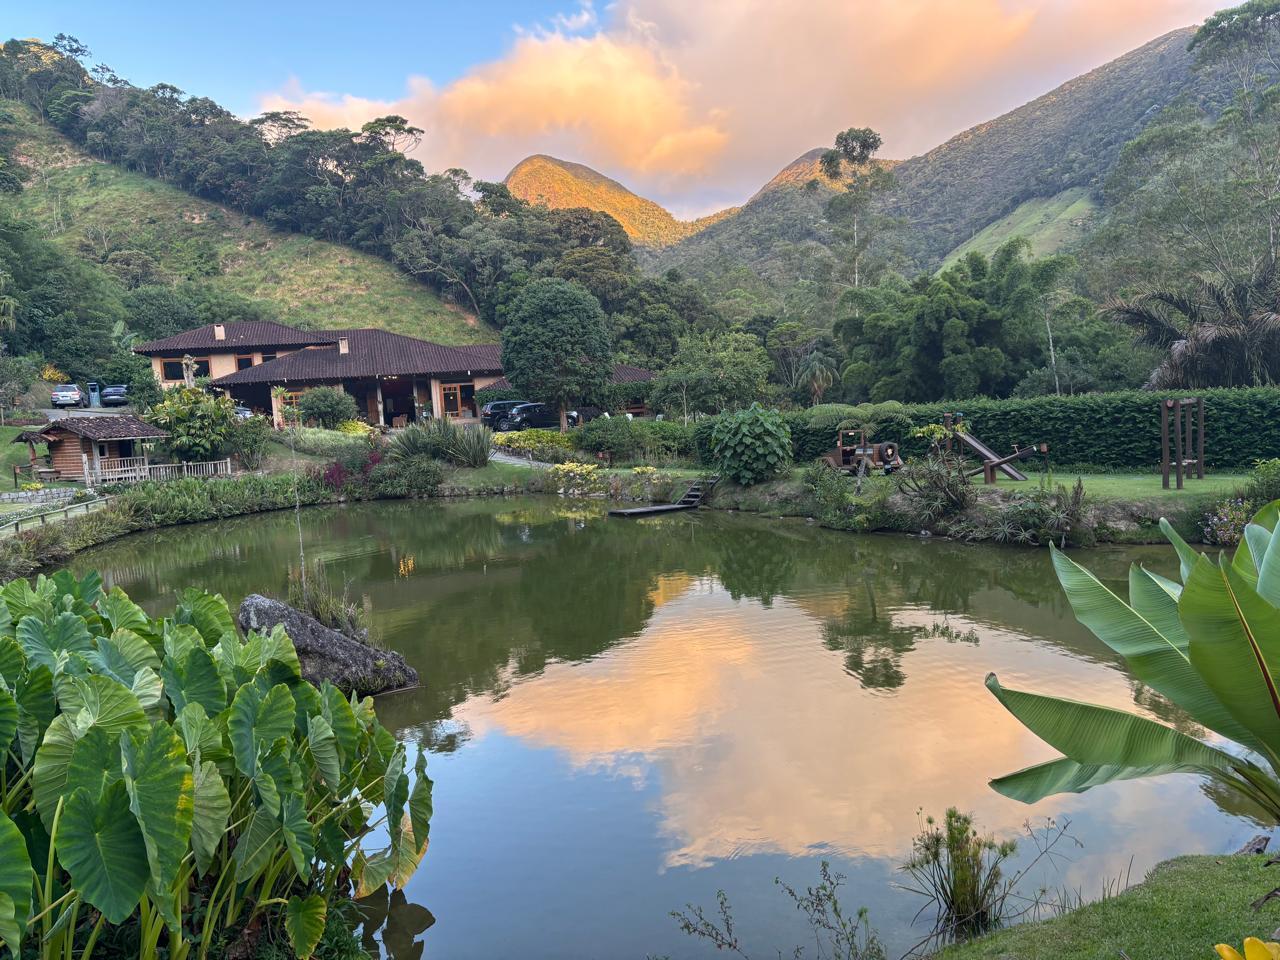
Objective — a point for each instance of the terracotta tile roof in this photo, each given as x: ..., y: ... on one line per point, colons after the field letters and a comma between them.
x: 622, y: 373
x: 371, y: 353
x: 101, y: 428
x: 246, y: 335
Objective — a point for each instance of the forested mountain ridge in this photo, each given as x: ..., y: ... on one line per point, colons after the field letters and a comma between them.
x: 1070, y: 137
x: 561, y: 184
x: 143, y: 232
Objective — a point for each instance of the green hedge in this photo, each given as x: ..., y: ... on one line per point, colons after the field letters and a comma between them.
x: 1112, y: 430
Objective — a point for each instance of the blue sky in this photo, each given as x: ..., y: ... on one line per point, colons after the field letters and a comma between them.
x: 234, y: 51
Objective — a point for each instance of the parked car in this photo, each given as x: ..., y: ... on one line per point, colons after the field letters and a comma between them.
x: 528, y: 415
x: 494, y: 410
x: 68, y: 395
x: 114, y: 395
x: 243, y: 412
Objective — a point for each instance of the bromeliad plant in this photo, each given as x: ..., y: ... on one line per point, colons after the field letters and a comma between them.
x: 1210, y: 644
x: 169, y: 774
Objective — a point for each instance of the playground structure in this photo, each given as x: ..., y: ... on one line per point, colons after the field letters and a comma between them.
x: 991, y: 461
x: 1183, y: 420
x: 854, y: 454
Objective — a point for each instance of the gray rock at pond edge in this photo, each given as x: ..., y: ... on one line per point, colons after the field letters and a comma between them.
x: 327, y: 654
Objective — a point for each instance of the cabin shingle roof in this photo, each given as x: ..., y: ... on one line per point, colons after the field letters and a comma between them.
x: 97, y: 428
x: 371, y: 353
x: 243, y: 335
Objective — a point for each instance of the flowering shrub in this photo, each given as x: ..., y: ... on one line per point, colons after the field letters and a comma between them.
x: 645, y: 473
x: 1225, y: 525
x: 32, y: 486
x: 576, y: 478
x: 355, y: 428
x: 525, y: 440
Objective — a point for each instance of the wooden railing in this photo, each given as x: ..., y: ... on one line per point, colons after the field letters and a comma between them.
x: 10, y: 527
x: 137, y: 469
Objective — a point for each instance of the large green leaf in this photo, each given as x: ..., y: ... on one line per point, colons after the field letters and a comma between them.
x: 257, y: 844
x: 122, y: 655
x: 50, y: 642
x: 194, y: 680
x: 1159, y: 659
x: 36, y: 707
x: 200, y: 734
x: 108, y: 704
x: 122, y: 613
x: 207, y: 612
x: 1187, y: 557
x: 1066, y: 776
x: 12, y: 660
x: 9, y: 721
x: 95, y: 763
x: 101, y: 846
x: 52, y: 760
x: 299, y: 835
x: 160, y: 796
x: 1237, y: 656
x: 212, y: 807
x: 255, y: 719
x: 324, y: 748
x: 16, y: 878
x: 340, y: 717
x: 1100, y: 736
x: 395, y: 793
x: 10, y: 932
x: 149, y: 690
x: 304, y: 923
x: 1268, y: 579
x: 420, y: 802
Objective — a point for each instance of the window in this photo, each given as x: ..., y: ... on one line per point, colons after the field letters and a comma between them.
x: 172, y: 369
x: 459, y: 399
x: 244, y: 361
x: 268, y: 357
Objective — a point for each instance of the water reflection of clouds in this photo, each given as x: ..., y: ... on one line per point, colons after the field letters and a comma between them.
x: 760, y: 742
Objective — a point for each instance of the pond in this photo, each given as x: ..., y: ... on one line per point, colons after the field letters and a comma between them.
x: 628, y: 715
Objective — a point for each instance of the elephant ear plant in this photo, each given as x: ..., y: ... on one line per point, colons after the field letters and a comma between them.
x: 1209, y: 643
x: 169, y: 775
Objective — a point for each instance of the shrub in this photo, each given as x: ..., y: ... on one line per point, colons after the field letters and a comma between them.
x: 186, y: 779
x: 327, y: 407
x: 493, y: 394
x: 536, y: 438
x: 576, y: 478
x: 936, y: 486
x: 442, y: 439
x: 471, y: 447
x: 752, y: 445
x: 615, y: 437
x: 356, y: 428
x: 199, y: 424
x: 1264, y: 482
x: 248, y: 440
x: 1224, y: 525
x: 666, y: 440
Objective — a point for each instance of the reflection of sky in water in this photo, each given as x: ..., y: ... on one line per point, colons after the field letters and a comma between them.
x: 599, y: 780
x: 725, y: 743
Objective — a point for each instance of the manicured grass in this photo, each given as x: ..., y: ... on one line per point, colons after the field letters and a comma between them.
x: 76, y: 199
x: 495, y: 474
x: 1136, y: 486
x: 280, y: 459
x: 1185, y: 907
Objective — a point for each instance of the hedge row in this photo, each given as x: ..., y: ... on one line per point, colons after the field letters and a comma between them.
x: 1112, y: 430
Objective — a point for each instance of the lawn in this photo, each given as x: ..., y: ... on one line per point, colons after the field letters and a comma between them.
x: 1137, y: 486
x: 1184, y: 908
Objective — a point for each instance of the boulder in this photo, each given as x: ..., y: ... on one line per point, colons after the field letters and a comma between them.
x: 327, y: 654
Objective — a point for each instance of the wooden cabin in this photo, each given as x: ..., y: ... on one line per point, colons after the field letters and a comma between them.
x: 96, y: 442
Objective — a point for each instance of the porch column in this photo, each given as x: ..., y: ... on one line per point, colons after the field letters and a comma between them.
x: 381, y: 421
x: 277, y: 411
x: 419, y: 408
x: 435, y: 398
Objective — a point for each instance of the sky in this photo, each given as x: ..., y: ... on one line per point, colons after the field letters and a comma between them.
x: 694, y: 103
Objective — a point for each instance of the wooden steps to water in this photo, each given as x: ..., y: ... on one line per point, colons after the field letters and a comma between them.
x: 692, y: 498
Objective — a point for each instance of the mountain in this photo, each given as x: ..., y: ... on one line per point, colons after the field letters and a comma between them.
x: 560, y: 184
x: 1069, y: 138
x: 94, y: 210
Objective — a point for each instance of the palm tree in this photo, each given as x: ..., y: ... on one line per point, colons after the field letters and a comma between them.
x: 1218, y: 333
x: 818, y: 374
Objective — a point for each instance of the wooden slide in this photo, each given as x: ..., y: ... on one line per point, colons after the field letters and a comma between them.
x: 986, y: 453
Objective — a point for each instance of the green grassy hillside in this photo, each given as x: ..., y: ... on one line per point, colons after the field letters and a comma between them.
x: 560, y: 184
x: 1050, y: 224
x: 93, y: 209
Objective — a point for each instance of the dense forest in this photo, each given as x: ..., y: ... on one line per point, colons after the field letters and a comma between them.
x: 815, y: 283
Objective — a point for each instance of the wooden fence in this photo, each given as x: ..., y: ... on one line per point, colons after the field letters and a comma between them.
x: 10, y: 527
x: 137, y: 469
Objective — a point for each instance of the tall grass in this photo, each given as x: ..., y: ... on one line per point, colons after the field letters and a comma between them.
x: 442, y: 439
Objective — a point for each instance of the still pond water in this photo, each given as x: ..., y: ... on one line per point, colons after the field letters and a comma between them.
x: 625, y: 716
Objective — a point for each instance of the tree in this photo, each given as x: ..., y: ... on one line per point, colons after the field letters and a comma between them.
x: 1217, y: 333
x: 819, y: 373
x: 556, y: 344
x: 709, y: 374
x: 327, y: 407
x: 852, y: 164
x: 198, y: 423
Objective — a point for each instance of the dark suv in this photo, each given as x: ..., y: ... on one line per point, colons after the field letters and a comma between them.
x: 528, y: 415
x: 495, y: 410
x: 116, y: 395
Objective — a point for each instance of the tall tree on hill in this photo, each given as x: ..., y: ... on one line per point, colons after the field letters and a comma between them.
x: 556, y: 344
x: 852, y: 212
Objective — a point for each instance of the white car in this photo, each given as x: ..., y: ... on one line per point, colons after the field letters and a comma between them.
x: 68, y: 395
